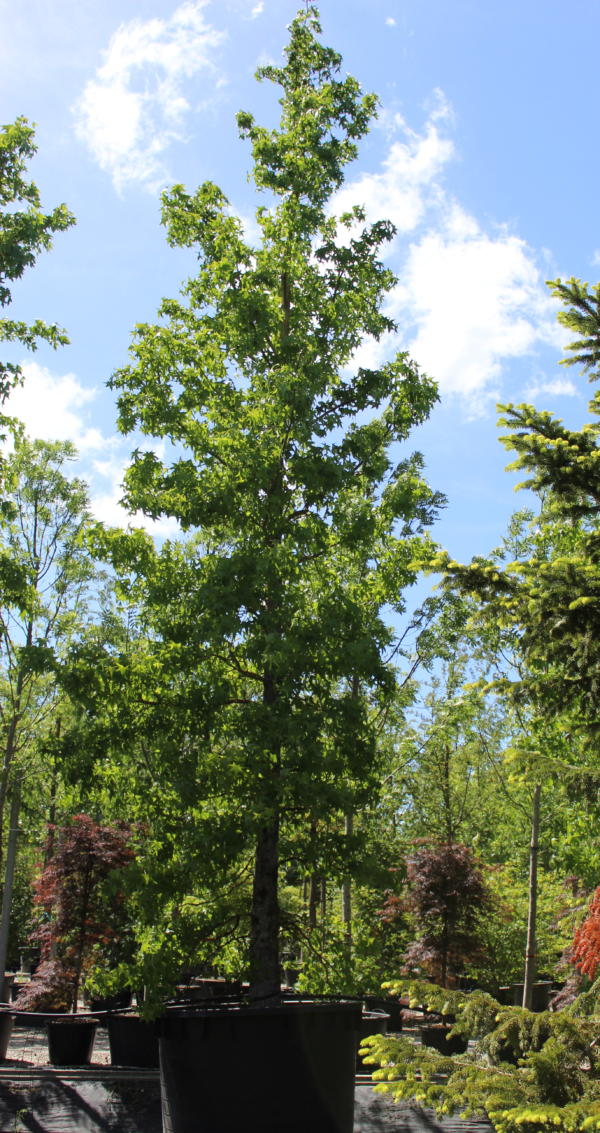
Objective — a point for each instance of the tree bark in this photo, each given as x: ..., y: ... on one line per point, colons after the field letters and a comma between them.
x: 444, y: 950
x: 87, y: 888
x: 531, y: 922
x: 265, y: 978
x: 313, y: 900
x: 347, y: 893
x: 265, y: 975
x: 11, y: 856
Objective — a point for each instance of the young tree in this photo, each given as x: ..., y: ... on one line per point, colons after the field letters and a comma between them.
x: 74, y: 906
x: 264, y: 625
x: 447, y: 894
x: 49, y: 513
x: 585, y: 954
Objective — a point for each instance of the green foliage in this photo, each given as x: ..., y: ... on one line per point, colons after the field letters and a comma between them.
x: 525, y: 1070
x: 253, y: 693
x: 582, y: 315
x: 24, y: 233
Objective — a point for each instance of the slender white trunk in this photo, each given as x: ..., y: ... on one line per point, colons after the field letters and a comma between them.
x: 531, y: 923
x: 347, y: 894
x: 11, y: 857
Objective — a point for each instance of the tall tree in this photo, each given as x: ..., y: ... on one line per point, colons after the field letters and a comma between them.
x: 49, y: 514
x: 308, y: 528
x: 24, y: 233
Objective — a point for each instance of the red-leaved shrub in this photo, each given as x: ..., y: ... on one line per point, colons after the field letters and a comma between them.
x: 585, y: 954
x: 74, y: 912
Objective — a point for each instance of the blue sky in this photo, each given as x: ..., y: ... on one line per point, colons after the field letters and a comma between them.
x: 484, y: 157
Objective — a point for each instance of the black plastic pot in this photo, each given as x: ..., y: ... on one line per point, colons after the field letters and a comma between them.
x: 236, y: 1069
x: 372, y: 1023
x: 436, y: 1037
x: 115, y: 1002
x: 540, y: 999
x: 391, y: 1007
x: 132, y: 1042
x: 201, y: 990
x: 71, y: 1040
x: 6, y: 1028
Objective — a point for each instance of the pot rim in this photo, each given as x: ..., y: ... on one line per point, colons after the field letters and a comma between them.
x: 241, y: 1011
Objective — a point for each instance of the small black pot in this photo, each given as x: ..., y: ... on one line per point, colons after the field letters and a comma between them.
x: 71, y: 1040
x: 540, y: 999
x: 436, y: 1037
x: 285, y: 1069
x: 6, y: 1027
x: 372, y: 1023
x: 132, y: 1042
x: 117, y: 1002
x: 390, y: 1007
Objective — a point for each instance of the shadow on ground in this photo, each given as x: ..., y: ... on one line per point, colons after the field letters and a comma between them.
x: 131, y: 1107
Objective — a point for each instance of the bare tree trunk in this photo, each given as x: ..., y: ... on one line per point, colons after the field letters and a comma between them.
x: 52, y: 816
x: 531, y: 923
x: 265, y: 978
x: 444, y: 956
x: 313, y: 899
x: 82, y: 935
x: 323, y: 898
x: 9, y: 751
x: 347, y: 893
x: 9, y: 875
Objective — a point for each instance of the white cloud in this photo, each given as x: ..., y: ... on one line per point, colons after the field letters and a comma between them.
x: 408, y: 186
x: 57, y: 408
x: 558, y: 387
x: 107, y: 491
x: 53, y: 408
x: 257, y: 10
x: 596, y: 257
x: 391, y: 23
x: 467, y: 300
x: 135, y: 105
x: 476, y: 300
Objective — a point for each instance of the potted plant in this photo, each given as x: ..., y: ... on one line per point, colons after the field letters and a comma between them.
x: 447, y: 895
x: 264, y: 665
x: 132, y: 1041
x: 76, y: 915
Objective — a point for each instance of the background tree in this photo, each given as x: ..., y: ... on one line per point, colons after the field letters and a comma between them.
x: 448, y: 895
x: 24, y: 233
x: 49, y: 513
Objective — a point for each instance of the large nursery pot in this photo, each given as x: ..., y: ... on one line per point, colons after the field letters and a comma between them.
x: 436, y: 1037
x: 6, y: 1028
x: 372, y: 1023
x: 237, y: 1069
x: 132, y: 1042
x: 71, y: 1040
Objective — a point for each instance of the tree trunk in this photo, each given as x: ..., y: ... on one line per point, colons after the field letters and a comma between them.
x: 531, y: 922
x: 347, y: 894
x: 265, y: 978
x: 82, y: 934
x: 313, y: 900
x: 9, y: 875
x: 52, y: 816
x: 444, y: 950
x: 9, y: 751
